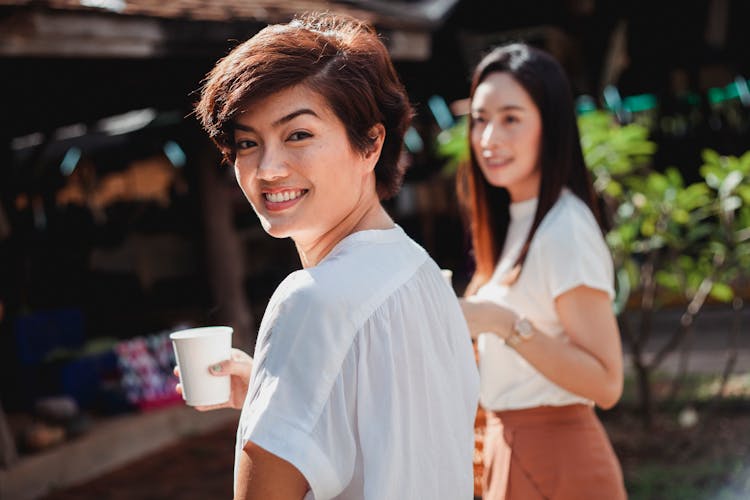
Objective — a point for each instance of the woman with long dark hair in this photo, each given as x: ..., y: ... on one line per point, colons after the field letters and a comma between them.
x: 540, y: 300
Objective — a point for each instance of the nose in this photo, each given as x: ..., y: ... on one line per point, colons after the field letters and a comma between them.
x: 491, y: 135
x: 272, y: 165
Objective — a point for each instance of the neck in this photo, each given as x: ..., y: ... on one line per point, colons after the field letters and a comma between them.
x: 526, y: 189
x: 368, y: 215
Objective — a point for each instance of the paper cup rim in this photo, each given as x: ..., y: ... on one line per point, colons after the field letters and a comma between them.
x: 200, y: 332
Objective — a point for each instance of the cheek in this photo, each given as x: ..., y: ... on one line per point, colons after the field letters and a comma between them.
x: 244, y: 178
x: 531, y: 144
x: 240, y: 176
x: 475, y: 138
x: 535, y: 136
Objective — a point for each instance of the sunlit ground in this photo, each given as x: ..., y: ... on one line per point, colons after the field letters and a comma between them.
x: 699, y: 443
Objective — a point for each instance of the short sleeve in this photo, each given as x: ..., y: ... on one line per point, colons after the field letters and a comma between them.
x: 299, y: 404
x: 573, y: 253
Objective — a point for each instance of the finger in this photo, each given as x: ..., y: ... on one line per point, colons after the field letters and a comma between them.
x: 178, y: 389
x: 176, y: 371
x: 241, y: 367
x: 212, y: 407
x: 240, y: 355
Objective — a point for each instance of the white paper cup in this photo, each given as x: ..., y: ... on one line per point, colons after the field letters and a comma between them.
x: 196, y: 349
x: 447, y: 276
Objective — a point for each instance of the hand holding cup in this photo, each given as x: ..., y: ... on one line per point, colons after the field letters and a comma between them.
x: 238, y: 369
x: 197, y: 349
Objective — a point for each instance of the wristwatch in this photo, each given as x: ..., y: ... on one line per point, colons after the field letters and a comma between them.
x: 522, y: 331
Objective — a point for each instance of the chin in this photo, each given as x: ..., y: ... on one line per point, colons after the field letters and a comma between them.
x: 498, y: 183
x: 276, y: 232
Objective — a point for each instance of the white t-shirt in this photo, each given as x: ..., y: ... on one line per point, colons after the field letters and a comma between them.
x: 364, y: 376
x: 568, y: 250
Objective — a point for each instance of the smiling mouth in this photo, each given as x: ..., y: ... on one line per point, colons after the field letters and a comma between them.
x: 283, y: 196
x: 498, y: 162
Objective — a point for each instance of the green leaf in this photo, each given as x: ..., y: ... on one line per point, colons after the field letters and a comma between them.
x: 711, y: 157
x: 648, y: 227
x: 693, y: 196
x: 717, y: 247
x: 674, y: 177
x: 713, y: 174
x: 668, y: 280
x: 731, y: 163
x: 614, y: 189
x: 681, y: 216
x: 657, y: 183
x: 745, y: 163
x: 744, y: 193
x: 722, y: 292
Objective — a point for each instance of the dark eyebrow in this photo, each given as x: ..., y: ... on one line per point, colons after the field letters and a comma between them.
x: 294, y: 114
x: 284, y: 119
x: 509, y: 107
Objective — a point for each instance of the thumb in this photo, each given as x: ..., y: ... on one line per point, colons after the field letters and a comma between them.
x: 236, y: 367
x: 222, y: 368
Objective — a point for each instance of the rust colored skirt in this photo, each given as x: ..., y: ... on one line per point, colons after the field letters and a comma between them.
x: 549, y: 453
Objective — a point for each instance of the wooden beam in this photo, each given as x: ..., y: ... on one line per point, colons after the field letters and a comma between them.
x: 73, y: 34
x: 408, y: 45
x: 426, y: 15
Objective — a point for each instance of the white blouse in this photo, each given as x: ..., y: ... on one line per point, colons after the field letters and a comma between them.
x: 568, y: 250
x: 364, y: 376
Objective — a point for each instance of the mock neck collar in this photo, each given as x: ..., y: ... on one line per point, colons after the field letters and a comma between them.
x: 523, y: 209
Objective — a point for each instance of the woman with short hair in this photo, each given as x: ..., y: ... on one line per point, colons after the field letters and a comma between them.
x: 364, y: 383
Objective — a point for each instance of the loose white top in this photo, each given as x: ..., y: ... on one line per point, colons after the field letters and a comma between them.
x: 568, y: 250
x: 364, y: 376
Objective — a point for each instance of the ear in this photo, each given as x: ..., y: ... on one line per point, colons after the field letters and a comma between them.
x: 377, y: 137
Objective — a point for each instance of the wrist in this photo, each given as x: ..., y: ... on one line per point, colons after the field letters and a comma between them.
x: 521, y: 332
x: 501, y: 322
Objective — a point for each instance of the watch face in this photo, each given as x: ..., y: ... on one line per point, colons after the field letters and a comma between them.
x: 524, y: 328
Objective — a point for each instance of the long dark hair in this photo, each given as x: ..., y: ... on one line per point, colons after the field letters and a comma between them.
x: 560, y: 158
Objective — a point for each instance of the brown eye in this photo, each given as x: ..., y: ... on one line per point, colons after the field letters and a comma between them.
x: 299, y: 135
x: 244, y: 144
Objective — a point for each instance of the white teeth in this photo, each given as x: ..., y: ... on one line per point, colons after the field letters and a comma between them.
x: 499, y: 157
x: 283, y: 196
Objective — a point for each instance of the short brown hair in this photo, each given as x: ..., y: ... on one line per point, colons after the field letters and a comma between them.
x: 338, y: 57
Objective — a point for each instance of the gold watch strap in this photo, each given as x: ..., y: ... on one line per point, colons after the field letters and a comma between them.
x: 514, y: 339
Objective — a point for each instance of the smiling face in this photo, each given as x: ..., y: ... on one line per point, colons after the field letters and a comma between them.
x: 296, y: 166
x: 506, y: 135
